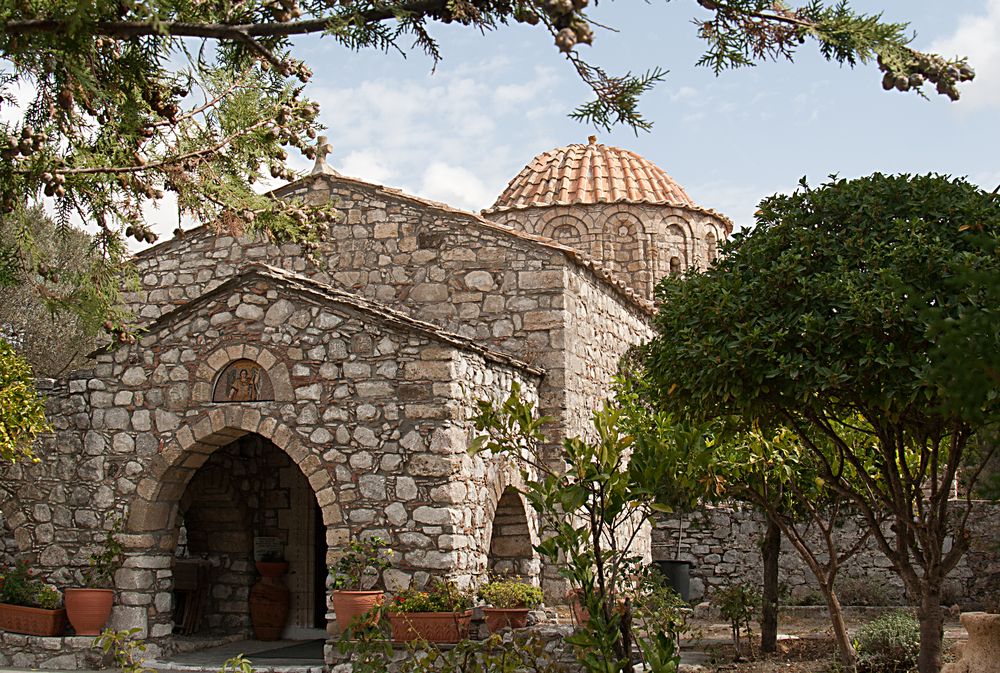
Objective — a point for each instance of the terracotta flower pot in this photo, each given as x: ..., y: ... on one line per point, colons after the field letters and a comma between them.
x: 32, y: 621
x: 502, y: 618
x: 434, y: 627
x: 88, y: 609
x: 269, y: 601
x: 350, y: 605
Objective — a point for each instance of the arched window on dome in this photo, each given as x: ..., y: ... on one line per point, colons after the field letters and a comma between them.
x: 627, y: 245
x: 567, y: 230
x: 675, y: 247
x: 712, y: 246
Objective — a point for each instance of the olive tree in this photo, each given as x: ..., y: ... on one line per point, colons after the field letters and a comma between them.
x: 832, y: 309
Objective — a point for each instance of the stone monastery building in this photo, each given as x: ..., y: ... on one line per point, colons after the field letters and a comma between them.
x: 276, y: 404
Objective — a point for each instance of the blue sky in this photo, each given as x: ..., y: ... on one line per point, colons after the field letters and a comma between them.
x: 458, y: 134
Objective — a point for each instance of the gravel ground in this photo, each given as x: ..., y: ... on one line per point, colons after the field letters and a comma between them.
x: 805, y: 645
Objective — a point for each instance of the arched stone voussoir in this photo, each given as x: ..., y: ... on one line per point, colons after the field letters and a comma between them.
x: 169, y: 472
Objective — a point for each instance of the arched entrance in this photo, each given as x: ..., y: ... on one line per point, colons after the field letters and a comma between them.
x: 232, y: 469
x: 247, y: 502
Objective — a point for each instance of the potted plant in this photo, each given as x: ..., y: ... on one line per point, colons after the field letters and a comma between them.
x: 508, y: 602
x: 89, y: 607
x: 28, y: 604
x: 269, y: 597
x: 440, y: 614
x: 358, y: 569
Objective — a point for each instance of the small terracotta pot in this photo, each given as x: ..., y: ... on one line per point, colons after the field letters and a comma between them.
x: 88, y: 610
x: 434, y: 627
x: 502, y: 618
x: 349, y: 606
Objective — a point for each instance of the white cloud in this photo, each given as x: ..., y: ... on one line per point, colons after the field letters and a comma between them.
x: 456, y: 186
x: 978, y: 37
x: 440, y: 136
x: 685, y: 93
x: 367, y: 165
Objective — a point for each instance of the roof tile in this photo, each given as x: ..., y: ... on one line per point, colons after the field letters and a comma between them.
x: 587, y: 174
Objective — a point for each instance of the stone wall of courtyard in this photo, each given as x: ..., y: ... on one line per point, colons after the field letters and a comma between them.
x: 724, y: 546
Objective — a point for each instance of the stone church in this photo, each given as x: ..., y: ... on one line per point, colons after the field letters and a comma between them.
x: 274, y: 404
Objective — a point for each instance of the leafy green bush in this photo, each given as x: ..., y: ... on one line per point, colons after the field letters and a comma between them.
x: 864, y: 591
x: 361, y: 559
x: 511, y: 593
x: 888, y: 644
x: 20, y: 586
x: 739, y: 605
x: 440, y: 597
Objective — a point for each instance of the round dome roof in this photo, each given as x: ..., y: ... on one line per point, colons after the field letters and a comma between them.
x: 587, y: 174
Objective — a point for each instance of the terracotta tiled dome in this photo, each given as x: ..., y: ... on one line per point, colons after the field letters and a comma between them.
x: 586, y: 174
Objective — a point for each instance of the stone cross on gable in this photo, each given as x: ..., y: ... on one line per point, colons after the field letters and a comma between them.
x: 323, y: 149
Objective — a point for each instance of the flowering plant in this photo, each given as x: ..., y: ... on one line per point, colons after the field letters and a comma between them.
x: 440, y: 597
x: 20, y: 586
x: 361, y: 560
x: 510, y: 593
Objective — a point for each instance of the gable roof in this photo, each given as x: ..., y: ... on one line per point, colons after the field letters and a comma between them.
x: 328, y: 294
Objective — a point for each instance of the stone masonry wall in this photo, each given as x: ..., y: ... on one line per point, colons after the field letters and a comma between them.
x: 469, y: 276
x: 366, y: 405
x: 724, y: 546
x: 634, y: 241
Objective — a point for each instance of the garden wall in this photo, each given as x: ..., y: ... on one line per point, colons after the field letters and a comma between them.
x: 724, y: 545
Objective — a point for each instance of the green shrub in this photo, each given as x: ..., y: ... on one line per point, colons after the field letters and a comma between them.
x: 439, y: 597
x: 888, y: 644
x: 20, y: 586
x: 864, y: 591
x: 510, y: 594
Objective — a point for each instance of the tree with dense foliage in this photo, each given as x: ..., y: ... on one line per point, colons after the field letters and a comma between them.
x: 594, y: 497
x: 35, y: 317
x: 769, y: 471
x: 136, y: 99
x: 22, y: 411
x: 831, y: 309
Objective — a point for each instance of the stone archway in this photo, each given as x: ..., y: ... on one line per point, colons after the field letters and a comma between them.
x: 151, y: 527
x: 510, y: 547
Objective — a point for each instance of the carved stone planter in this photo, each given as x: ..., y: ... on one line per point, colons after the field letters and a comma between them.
x: 981, y: 653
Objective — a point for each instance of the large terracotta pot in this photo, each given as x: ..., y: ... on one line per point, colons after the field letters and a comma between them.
x: 350, y: 605
x: 32, y: 621
x: 269, y: 601
x: 503, y: 618
x: 434, y: 627
x: 88, y: 610
x: 981, y: 653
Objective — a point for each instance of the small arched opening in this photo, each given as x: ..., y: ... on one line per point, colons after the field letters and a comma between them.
x: 511, y: 552
x: 712, y: 246
x: 675, y: 266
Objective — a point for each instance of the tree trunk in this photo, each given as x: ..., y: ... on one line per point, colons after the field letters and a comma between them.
x: 931, y: 628
x: 770, y: 549
x: 847, y: 654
